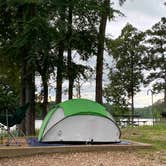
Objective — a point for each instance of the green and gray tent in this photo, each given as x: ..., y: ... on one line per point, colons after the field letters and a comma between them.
x: 79, y: 120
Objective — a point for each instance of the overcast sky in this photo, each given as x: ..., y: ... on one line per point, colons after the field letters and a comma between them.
x: 140, y: 13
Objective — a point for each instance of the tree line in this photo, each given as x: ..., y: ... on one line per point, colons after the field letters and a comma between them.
x: 39, y: 37
x: 139, y: 60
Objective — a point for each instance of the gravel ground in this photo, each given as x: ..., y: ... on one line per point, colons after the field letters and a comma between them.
x: 89, y: 159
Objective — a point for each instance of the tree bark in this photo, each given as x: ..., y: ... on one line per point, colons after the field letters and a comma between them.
x: 30, y: 97
x: 132, y: 106
x: 165, y: 93
x: 164, y: 59
x: 69, y: 52
x: 30, y: 84
x: 132, y: 88
x: 165, y: 90
x: 45, y: 100
x: 100, y: 51
x: 23, y: 91
x: 71, y: 84
x: 22, y: 67
x: 60, y: 70
x: 59, y: 75
x: 78, y: 89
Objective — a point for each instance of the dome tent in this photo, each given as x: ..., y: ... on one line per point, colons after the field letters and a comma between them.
x: 79, y: 120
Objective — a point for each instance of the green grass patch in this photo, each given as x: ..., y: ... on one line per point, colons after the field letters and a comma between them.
x: 155, y: 135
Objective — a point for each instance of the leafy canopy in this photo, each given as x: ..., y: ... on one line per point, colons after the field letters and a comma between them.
x: 126, y: 75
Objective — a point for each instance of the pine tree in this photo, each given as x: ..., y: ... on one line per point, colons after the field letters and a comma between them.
x: 156, y: 62
x: 125, y: 79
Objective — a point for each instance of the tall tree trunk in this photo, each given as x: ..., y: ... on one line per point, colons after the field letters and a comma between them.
x: 71, y: 84
x: 132, y: 106
x: 100, y: 51
x: 22, y: 66
x: 45, y: 100
x: 132, y: 89
x: 59, y: 75
x: 165, y: 95
x: 78, y: 89
x: 69, y: 64
x: 23, y: 93
x: 60, y: 65
x: 164, y: 88
x: 30, y: 85
x: 30, y: 97
x: 69, y: 52
x: 164, y: 82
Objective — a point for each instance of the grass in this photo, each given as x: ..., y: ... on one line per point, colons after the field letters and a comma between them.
x: 155, y: 135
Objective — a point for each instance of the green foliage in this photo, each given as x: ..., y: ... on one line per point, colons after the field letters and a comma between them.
x: 151, y: 111
x: 116, y: 110
x: 33, y: 30
x: 39, y: 107
x: 9, y: 72
x: 126, y: 77
x: 38, y: 110
x: 31, y: 35
x: 156, y: 61
x: 7, y: 18
x: 9, y: 69
x: 146, y: 112
x: 8, y: 98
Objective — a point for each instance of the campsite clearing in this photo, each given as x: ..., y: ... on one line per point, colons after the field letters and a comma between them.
x: 147, y: 134
x: 89, y: 159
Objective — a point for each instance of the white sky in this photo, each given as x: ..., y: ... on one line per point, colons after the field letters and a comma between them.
x: 140, y: 13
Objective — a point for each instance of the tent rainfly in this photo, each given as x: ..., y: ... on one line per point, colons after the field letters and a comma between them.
x: 79, y: 120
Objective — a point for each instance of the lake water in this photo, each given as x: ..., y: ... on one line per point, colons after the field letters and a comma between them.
x: 138, y: 122
x: 142, y: 121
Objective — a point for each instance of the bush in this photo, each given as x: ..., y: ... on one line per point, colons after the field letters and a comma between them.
x: 8, y: 99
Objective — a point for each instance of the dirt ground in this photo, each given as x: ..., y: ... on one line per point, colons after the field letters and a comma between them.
x: 114, y: 158
x: 128, y: 158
